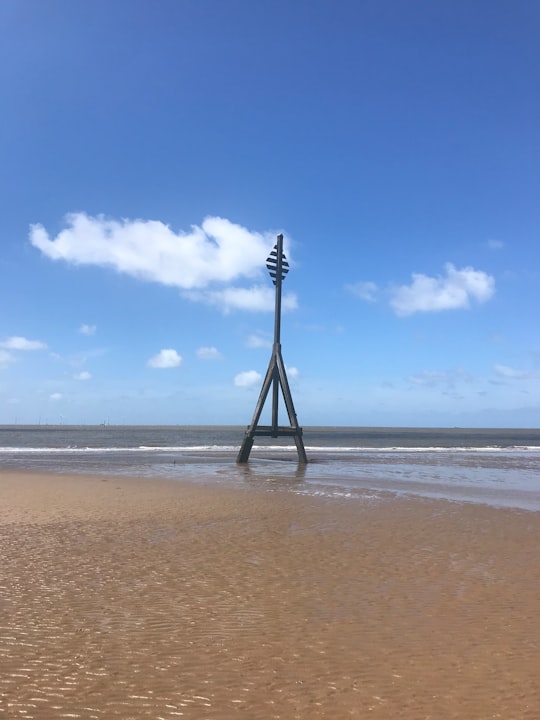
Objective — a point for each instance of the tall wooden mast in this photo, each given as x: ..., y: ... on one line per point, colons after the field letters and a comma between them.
x: 275, y: 375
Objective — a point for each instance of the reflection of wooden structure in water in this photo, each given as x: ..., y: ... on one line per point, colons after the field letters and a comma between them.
x: 275, y: 375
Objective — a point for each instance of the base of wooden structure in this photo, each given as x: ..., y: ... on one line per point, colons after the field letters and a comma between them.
x: 276, y: 378
x: 268, y: 431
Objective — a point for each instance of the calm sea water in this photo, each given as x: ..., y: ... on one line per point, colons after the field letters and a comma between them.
x: 492, y: 466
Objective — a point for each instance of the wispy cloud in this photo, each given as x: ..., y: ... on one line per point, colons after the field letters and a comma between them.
x: 258, y: 341
x: 55, y: 396
x: 257, y: 298
x: 80, y: 358
x: 166, y: 358
x: 84, y: 375
x: 87, y: 329
x: 365, y: 290
x: 21, y: 343
x: 453, y: 291
x: 440, y: 378
x: 511, y: 373
x: 209, y: 353
x: 248, y: 378
x: 6, y: 359
x: 495, y: 244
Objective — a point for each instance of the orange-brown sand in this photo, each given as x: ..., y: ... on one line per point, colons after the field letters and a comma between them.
x: 133, y: 599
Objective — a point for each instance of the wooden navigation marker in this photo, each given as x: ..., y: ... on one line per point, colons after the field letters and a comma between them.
x: 276, y: 376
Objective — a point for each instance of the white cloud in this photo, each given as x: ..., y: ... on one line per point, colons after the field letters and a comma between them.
x: 258, y: 341
x: 55, y: 396
x: 455, y: 290
x: 292, y: 372
x: 6, y: 359
x: 508, y: 372
x: 166, y: 358
x: 247, y: 378
x: 21, y: 343
x: 495, y: 244
x: 87, y: 329
x: 257, y: 298
x: 217, y: 251
x: 209, y: 353
x: 84, y: 375
x: 365, y: 290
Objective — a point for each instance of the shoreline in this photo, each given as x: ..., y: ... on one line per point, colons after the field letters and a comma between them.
x: 134, y: 598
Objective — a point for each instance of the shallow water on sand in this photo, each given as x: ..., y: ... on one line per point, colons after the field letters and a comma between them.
x: 496, y: 467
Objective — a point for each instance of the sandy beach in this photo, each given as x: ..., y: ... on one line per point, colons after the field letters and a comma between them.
x: 134, y: 598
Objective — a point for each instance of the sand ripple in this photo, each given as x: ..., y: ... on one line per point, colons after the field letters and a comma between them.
x: 272, y: 607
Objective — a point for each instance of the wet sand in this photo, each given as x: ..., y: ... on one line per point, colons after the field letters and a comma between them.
x: 130, y: 599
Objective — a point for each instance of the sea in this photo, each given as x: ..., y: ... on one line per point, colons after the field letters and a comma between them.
x: 497, y: 467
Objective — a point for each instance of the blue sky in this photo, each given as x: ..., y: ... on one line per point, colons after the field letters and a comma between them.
x: 151, y: 151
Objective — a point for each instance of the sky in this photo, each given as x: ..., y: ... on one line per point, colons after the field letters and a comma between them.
x: 150, y: 152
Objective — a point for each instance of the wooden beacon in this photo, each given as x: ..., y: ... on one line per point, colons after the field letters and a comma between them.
x: 275, y: 375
